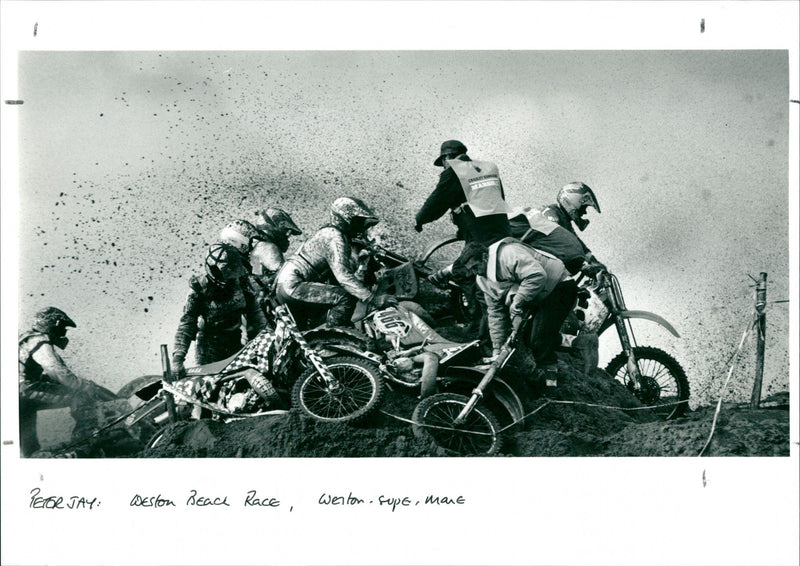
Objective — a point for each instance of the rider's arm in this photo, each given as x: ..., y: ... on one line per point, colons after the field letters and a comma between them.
x: 187, y: 327
x: 445, y: 196
x: 266, y: 256
x: 54, y: 367
x: 496, y: 315
x: 338, y: 258
x: 521, y: 267
x: 256, y: 321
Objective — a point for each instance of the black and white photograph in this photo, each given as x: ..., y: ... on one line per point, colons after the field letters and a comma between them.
x: 393, y: 271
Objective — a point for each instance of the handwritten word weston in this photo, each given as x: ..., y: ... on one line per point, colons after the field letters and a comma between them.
x: 155, y: 501
x: 390, y: 502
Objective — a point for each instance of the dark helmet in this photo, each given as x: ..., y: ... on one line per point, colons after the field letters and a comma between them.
x: 224, y: 264
x: 351, y: 215
x: 241, y: 235
x: 574, y: 198
x: 473, y: 258
x: 52, y: 321
x: 280, y: 219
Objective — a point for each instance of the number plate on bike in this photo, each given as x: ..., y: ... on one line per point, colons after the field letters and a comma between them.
x: 389, y: 321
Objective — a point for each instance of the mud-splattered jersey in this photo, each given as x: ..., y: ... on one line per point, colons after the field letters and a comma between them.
x: 327, y: 254
x: 220, y: 311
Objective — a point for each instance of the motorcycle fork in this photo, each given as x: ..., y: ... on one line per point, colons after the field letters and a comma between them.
x: 624, y: 329
x: 477, y: 393
x: 625, y: 338
x: 310, y: 354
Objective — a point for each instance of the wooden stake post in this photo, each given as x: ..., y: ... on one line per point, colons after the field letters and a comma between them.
x: 167, y: 375
x: 761, y: 324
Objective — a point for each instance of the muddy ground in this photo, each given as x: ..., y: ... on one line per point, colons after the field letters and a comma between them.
x: 555, y: 430
x: 590, y: 415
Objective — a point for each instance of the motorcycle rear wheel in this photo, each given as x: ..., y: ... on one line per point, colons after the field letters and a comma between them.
x: 666, y: 386
x: 479, y: 435
x: 360, y: 391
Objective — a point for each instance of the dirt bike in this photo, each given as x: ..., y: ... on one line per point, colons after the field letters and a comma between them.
x: 402, y: 274
x: 414, y: 359
x: 654, y: 376
x: 466, y: 425
x: 260, y: 379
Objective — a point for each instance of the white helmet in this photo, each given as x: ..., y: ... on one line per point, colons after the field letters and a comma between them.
x: 241, y: 235
x: 574, y: 198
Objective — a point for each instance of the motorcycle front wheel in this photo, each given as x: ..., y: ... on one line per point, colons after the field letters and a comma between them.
x: 478, y: 435
x: 357, y: 393
x: 440, y: 257
x: 665, y: 386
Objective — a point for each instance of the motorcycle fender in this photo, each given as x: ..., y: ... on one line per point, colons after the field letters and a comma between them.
x: 331, y: 333
x: 426, y: 255
x: 651, y: 317
x: 338, y: 349
x: 500, y: 389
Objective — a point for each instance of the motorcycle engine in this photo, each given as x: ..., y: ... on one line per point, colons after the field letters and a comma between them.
x: 405, y: 370
x: 594, y: 315
x: 242, y: 402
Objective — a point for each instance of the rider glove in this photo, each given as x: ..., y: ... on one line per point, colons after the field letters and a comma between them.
x: 592, y: 269
x: 440, y: 278
x: 178, y: 371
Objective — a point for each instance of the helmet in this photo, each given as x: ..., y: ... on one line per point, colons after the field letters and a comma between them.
x: 473, y: 259
x: 574, y: 198
x: 240, y: 234
x: 281, y: 220
x: 351, y: 215
x: 224, y: 264
x: 52, y: 321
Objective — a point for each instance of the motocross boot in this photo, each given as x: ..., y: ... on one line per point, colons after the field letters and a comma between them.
x: 587, y: 346
x: 28, y: 441
x: 86, y: 425
x: 544, y: 382
x: 341, y: 313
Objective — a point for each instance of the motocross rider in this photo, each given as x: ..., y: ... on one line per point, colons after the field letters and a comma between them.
x: 214, y: 309
x: 321, y: 275
x: 571, y: 204
x: 262, y: 245
x: 532, y: 227
x: 45, y: 382
x: 538, y: 282
x: 473, y: 192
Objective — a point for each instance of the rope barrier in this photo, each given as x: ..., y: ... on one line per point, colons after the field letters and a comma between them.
x: 529, y: 414
x: 730, y: 373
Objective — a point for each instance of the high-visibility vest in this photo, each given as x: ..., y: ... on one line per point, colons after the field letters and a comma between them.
x: 480, y: 182
x: 491, y: 264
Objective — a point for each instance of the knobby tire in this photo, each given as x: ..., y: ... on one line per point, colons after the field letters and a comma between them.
x: 361, y: 394
x: 479, y: 435
x: 664, y: 370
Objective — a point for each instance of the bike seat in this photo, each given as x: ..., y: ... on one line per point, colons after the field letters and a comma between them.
x: 212, y: 368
